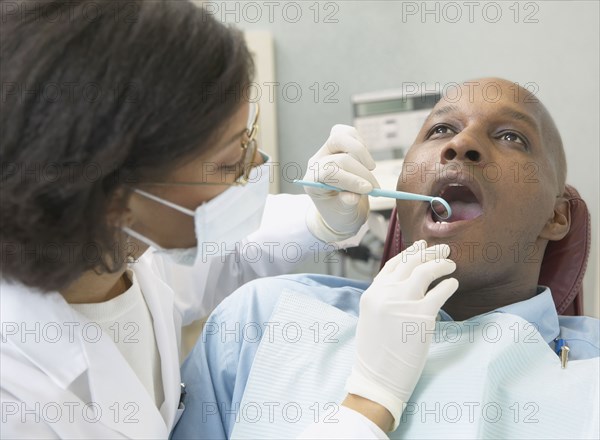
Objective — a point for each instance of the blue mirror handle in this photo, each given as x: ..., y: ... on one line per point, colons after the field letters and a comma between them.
x: 378, y: 192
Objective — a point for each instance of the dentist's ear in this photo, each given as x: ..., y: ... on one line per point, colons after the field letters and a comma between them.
x: 118, y: 210
x: 560, y: 223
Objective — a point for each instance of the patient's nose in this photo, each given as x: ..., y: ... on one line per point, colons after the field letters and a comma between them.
x: 463, y: 148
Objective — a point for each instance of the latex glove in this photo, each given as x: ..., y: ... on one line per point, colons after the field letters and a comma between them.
x: 345, y: 162
x: 395, y: 325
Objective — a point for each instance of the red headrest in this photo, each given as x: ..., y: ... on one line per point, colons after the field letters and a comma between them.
x: 564, y: 261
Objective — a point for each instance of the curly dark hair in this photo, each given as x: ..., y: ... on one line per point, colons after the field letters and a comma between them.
x: 95, y: 96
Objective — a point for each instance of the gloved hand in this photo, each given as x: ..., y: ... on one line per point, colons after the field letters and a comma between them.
x: 345, y: 162
x: 396, y: 320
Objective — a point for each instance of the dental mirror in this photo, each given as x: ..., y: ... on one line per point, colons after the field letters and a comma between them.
x: 440, y: 208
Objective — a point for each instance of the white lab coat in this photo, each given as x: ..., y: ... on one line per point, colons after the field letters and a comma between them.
x: 60, y: 378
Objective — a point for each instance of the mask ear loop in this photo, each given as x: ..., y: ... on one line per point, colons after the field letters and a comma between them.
x: 129, y: 258
x: 165, y: 202
x: 141, y: 238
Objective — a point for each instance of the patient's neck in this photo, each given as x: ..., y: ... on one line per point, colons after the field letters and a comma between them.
x: 466, y: 303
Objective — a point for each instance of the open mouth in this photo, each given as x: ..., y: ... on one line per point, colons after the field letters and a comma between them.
x: 464, y: 203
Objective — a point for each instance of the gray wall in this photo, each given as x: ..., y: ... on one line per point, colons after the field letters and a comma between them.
x: 375, y: 46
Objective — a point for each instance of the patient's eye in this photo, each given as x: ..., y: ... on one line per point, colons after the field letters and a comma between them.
x: 511, y: 136
x: 439, y: 131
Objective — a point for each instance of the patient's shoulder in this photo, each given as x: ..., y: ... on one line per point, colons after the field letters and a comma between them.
x: 311, y: 280
x: 257, y: 299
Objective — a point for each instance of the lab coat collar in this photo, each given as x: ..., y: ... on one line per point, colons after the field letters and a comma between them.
x: 160, y: 300
x: 122, y: 396
x: 538, y: 310
x: 42, y: 328
x: 47, y: 311
x: 35, y: 336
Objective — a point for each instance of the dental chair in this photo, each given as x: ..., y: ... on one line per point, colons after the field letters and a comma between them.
x: 564, y: 261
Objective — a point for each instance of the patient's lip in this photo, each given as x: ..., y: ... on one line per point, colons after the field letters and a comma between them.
x: 443, y: 229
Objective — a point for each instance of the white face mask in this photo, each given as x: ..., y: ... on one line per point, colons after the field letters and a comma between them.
x: 221, y: 222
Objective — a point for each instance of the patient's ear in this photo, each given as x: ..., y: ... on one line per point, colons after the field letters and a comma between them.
x: 558, y: 226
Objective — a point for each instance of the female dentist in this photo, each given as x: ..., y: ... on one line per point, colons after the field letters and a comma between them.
x: 124, y: 128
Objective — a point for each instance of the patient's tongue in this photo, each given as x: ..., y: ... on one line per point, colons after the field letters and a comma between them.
x: 464, y: 211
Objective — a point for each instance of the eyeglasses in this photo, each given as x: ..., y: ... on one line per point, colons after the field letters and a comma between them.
x: 230, y: 175
x: 250, y: 145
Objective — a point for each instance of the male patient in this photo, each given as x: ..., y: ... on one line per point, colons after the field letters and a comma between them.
x: 494, y: 153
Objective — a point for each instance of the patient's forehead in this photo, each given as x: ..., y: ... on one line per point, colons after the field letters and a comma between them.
x: 493, y: 94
